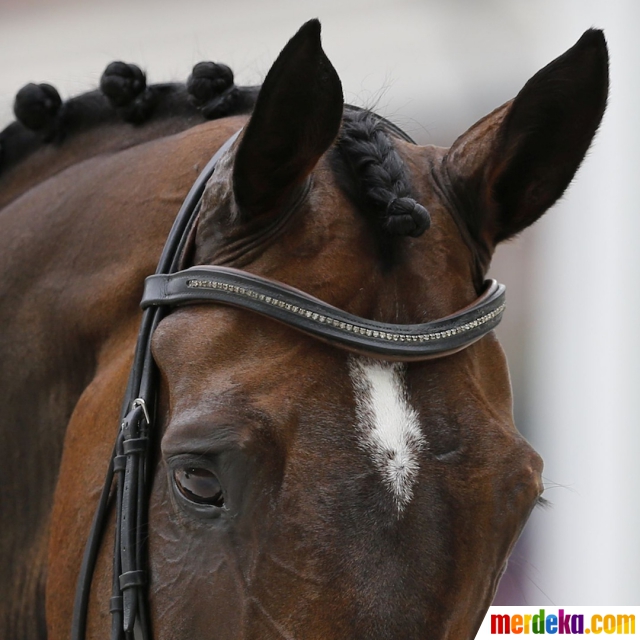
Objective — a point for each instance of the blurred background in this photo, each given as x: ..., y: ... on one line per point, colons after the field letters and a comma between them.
x: 434, y: 67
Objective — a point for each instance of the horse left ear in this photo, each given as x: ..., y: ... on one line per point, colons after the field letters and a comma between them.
x: 296, y: 118
x: 518, y: 160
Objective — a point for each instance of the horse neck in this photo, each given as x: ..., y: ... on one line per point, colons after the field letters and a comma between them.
x: 48, y: 160
x: 81, y: 226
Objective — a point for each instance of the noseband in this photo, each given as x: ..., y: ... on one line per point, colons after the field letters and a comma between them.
x: 131, y: 461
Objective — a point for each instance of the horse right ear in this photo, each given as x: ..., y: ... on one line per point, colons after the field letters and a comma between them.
x: 296, y: 118
x: 511, y: 166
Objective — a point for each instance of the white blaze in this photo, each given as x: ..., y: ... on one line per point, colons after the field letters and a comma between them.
x: 389, y: 427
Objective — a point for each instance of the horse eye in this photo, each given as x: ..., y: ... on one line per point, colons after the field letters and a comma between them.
x: 199, y: 485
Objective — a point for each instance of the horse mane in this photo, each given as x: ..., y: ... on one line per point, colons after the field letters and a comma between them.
x: 42, y: 118
x: 374, y: 175
x: 368, y: 166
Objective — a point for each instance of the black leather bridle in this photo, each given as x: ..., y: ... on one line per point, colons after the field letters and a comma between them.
x: 131, y: 461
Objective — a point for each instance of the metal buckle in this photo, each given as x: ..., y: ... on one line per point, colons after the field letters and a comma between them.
x: 139, y: 402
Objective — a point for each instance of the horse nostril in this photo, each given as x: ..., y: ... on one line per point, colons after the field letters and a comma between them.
x: 528, y: 481
x: 523, y: 479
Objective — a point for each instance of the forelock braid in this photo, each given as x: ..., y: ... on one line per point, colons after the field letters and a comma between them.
x: 382, y: 177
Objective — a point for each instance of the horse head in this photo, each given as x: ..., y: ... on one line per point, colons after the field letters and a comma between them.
x: 307, y: 491
x: 304, y: 483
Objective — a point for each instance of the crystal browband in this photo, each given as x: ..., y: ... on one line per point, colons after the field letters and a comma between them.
x: 345, y: 326
x: 312, y: 316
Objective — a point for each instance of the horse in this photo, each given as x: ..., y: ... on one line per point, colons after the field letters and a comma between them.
x: 299, y: 486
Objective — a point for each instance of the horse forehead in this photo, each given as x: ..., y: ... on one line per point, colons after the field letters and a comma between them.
x: 395, y: 413
x: 387, y: 424
x: 439, y: 262
x: 206, y: 348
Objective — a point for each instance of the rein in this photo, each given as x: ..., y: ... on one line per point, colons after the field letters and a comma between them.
x: 131, y: 461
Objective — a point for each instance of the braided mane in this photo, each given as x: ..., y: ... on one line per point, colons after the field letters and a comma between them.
x: 371, y: 170
x: 43, y: 118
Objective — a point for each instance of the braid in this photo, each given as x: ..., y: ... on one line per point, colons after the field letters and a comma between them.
x: 381, y: 174
x: 38, y: 108
x: 125, y: 86
x: 124, y: 94
x: 212, y: 91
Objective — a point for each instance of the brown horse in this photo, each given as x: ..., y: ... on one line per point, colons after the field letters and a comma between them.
x: 299, y: 490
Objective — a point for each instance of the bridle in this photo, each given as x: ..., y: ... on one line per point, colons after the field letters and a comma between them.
x: 131, y: 460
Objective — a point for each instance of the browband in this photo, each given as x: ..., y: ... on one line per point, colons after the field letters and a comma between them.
x: 407, y: 342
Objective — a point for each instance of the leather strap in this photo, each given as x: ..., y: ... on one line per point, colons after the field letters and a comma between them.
x: 297, y: 309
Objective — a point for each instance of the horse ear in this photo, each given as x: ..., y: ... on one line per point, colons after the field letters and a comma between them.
x: 296, y: 118
x: 519, y: 160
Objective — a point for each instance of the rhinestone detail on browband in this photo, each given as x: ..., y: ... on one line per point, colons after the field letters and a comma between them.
x: 345, y: 326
